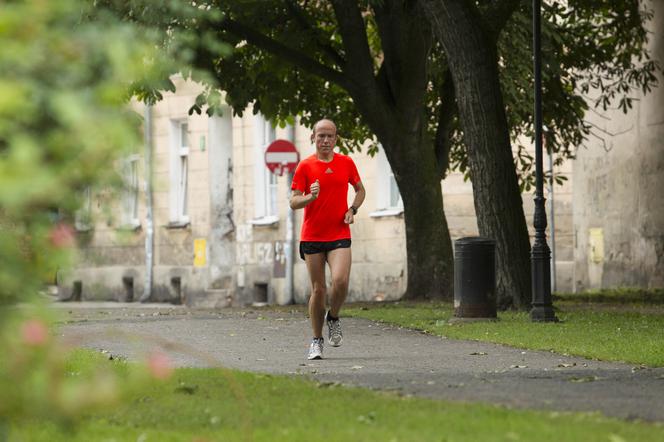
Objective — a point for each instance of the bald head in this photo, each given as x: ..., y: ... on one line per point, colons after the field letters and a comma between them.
x: 324, y: 137
x: 325, y: 123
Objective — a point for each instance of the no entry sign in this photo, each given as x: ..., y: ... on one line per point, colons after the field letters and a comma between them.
x: 281, y: 156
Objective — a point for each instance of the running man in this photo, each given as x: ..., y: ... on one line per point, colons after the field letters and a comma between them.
x: 320, y: 186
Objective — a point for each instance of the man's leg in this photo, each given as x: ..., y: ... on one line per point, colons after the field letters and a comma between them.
x: 339, y: 260
x: 316, y: 268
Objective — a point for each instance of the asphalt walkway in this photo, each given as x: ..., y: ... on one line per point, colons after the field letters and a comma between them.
x: 373, y: 355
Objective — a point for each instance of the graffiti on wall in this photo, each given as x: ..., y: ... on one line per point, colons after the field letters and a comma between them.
x: 261, y: 253
x: 279, y: 270
x: 250, y: 252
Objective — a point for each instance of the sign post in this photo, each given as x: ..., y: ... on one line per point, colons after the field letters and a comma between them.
x: 282, y: 156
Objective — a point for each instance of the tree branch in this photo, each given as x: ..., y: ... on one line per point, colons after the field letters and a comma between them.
x: 498, y: 13
x: 278, y: 49
x: 305, y: 25
x: 406, y: 41
x: 359, y: 61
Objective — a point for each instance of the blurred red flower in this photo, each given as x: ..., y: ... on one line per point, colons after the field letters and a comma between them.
x: 62, y: 235
x: 159, y: 365
x: 34, y: 332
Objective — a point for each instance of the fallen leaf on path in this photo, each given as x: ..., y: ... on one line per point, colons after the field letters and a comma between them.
x: 583, y: 379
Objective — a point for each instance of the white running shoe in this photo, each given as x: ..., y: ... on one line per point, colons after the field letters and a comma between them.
x: 334, y: 328
x: 316, y: 349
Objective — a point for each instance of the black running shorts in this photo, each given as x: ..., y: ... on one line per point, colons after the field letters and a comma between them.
x: 313, y: 247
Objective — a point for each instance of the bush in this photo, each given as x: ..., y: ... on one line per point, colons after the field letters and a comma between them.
x: 65, y: 72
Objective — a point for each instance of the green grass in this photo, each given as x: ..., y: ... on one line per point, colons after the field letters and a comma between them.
x: 616, y: 296
x: 632, y: 333
x: 216, y: 405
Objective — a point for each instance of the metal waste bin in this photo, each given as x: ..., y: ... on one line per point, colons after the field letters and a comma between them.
x: 474, y: 277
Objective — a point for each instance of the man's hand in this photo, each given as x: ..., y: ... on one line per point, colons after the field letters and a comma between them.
x: 314, y: 189
x: 349, y: 217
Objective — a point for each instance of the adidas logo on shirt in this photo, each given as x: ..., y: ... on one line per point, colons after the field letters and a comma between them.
x: 328, y: 170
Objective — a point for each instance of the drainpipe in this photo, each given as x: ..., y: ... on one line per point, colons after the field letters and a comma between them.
x: 290, y: 237
x: 552, y: 228
x: 149, y: 222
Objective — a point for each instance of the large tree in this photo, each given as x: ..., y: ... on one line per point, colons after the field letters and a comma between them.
x: 470, y: 46
x: 598, y: 46
x: 368, y: 68
x: 435, y: 83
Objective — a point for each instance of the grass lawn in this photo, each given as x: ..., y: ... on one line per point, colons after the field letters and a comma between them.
x: 216, y: 405
x: 602, y: 326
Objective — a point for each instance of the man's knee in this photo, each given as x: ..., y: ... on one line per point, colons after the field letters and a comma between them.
x: 318, y: 291
x: 340, y: 282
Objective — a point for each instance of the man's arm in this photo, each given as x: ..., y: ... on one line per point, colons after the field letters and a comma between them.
x: 299, y: 200
x: 360, y: 194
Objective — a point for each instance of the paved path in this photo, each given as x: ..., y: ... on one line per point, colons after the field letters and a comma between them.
x: 374, y: 355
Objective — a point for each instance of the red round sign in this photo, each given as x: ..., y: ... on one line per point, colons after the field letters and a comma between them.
x: 281, y: 156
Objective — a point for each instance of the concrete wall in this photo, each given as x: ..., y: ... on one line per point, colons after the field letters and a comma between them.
x: 618, y: 197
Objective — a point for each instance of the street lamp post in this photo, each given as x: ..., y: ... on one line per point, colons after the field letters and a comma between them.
x: 542, y: 310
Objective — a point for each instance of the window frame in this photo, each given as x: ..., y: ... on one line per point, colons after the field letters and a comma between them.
x: 385, y: 180
x: 266, y: 184
x: 83, y: 216
x: 179, y: 173
x: 131, y: 191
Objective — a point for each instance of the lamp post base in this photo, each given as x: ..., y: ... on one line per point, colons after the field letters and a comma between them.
x: 543, y: 314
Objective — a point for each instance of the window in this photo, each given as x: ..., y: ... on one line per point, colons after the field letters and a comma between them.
x: 83, y: 216
x: 130, y: 192
x: 265, y: 183
x: 395, y: 196
x: 179, y: 172
x: 388, y: 198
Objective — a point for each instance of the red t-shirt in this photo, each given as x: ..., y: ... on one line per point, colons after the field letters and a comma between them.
x: 324, y: 216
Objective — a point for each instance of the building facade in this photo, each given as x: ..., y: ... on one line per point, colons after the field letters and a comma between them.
x: 211, y: 228
x: 618, y: 201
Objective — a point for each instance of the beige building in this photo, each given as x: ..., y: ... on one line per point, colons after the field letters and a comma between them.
x: 216, y: 233
x: 212, y: 227
x: 618, y: 197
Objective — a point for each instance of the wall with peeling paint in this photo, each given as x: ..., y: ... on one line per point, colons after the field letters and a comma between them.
x: 618, y: 197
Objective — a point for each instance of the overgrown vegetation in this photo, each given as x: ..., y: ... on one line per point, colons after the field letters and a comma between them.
x: 65, y: 71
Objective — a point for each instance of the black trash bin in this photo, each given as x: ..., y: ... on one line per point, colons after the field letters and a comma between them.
x: 474, y: 277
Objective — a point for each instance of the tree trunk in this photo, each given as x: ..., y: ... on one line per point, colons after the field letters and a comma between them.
x: 473, y: 62
x: 428, y: 244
